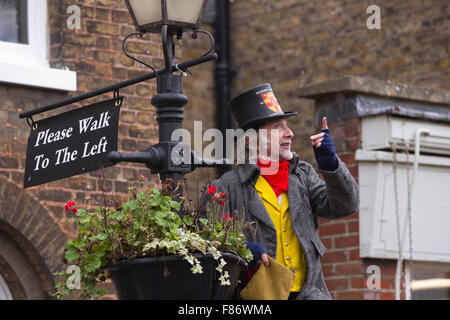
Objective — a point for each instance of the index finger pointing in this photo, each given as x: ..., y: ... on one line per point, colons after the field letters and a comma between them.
x: 324, y: 123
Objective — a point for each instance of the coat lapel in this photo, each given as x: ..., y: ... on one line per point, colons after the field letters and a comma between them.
x: 266, y: 192
x: 248, y: 175
x: 294, y: 197
x: 256, y: 208
x: 296, y: 190
x: 284, y: 203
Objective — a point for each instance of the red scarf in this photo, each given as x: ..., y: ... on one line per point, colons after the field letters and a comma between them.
x: 279, y: 180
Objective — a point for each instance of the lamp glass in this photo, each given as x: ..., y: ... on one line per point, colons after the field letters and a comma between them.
x: 146, y: 11
x: 184, y: 11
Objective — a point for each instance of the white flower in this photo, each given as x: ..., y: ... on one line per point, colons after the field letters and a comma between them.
x: 197, y: 269
x: 225, y: 279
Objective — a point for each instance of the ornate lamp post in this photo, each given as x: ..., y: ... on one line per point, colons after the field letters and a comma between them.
x: 169, y: 18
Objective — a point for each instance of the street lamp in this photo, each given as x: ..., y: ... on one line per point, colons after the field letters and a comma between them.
x: 178, y: 15
x: 170, y: 18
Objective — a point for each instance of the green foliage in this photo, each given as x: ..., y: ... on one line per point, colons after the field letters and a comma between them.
x: 147, y: 225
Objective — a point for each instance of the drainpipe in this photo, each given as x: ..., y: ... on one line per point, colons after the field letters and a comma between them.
x: 223, y: 71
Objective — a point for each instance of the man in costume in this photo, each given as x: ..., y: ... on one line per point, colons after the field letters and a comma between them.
x: 284, y: 203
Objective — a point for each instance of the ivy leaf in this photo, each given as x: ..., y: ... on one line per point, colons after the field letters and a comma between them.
x: 101, y: 236
x: 141, y: 195
x: 174, y: 204
x: 93, y: 262
x: 119, y: 216
x: 83, y: 229
x: 131, y: 205
x: 79, y: 243
x: 151, y: 245
x: 71, y: 255
x: 188, y: 220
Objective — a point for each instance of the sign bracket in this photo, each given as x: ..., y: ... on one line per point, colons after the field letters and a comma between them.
x: 33, y: 125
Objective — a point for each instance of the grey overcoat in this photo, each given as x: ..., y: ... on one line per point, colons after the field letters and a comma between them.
x: 308, y: 196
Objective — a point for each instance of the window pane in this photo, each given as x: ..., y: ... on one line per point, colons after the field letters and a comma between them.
x: 431, y: 282
x: 13, y: 21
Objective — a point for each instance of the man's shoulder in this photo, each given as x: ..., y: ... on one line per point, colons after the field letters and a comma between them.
x: 303, y: 167
x: 227, y: 178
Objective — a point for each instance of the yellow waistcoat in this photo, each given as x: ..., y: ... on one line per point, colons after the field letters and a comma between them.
x: 289, y: 250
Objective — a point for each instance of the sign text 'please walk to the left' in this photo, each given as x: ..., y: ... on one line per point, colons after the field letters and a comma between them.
x: 71, y: 143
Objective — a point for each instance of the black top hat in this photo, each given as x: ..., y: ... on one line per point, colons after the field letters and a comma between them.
x: 256, y: 106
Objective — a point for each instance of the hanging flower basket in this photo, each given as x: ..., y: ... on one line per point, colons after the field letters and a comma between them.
x: 170, y: 278
x: 157, y: 246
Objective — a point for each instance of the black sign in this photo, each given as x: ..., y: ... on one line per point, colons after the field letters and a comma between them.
x: 71, y: 143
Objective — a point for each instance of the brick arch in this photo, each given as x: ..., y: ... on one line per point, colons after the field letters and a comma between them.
x: 26, y: 222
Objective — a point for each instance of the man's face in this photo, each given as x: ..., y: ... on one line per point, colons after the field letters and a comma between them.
x: 279, y: 139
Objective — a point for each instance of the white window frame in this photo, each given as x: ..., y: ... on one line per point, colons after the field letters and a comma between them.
x: 27, y: 64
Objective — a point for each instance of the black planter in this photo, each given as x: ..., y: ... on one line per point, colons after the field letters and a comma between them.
x: 146, y: 279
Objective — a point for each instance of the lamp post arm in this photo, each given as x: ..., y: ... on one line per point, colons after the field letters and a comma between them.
x: 140, y: 157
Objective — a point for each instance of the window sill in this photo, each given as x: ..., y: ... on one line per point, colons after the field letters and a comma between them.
x: 38, y: 76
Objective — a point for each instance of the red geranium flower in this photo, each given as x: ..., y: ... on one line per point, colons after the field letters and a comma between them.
x: 74, y: 210
x: 68, y: 205
x: 227, y: 216
x: 211, y: 189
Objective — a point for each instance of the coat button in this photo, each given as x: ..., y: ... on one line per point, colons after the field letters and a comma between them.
x: 284, y: 229
x: 269, y: 237
x: 285, y: 244
x: 270, y: 252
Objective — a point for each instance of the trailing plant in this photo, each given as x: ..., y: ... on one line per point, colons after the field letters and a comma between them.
x: 152, y: 222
